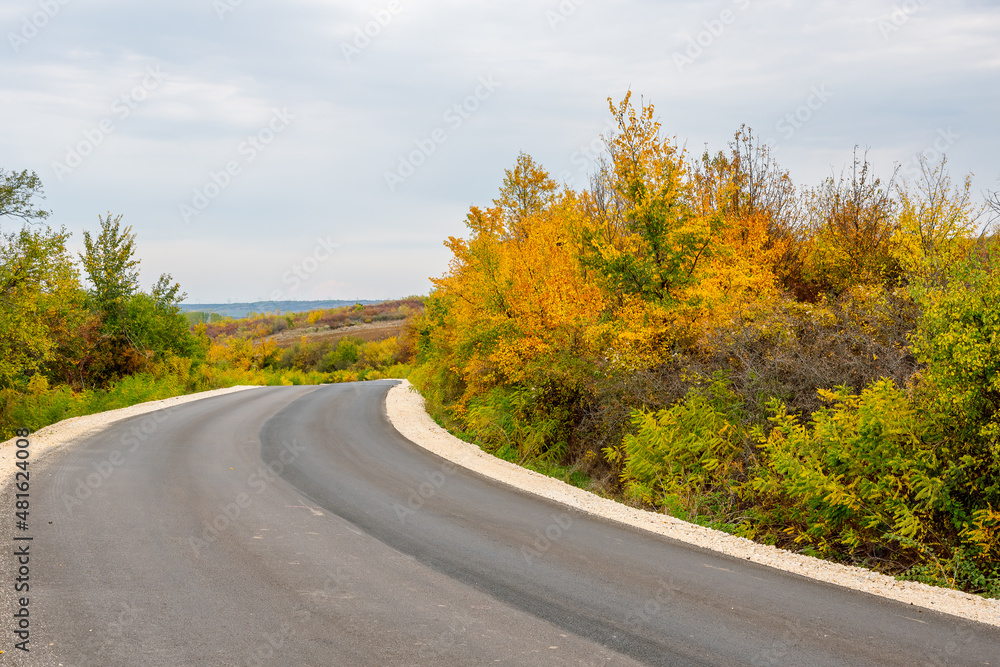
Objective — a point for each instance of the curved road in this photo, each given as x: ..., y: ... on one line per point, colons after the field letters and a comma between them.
x: 295, y: 526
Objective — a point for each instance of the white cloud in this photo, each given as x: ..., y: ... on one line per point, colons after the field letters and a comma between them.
x: 354, y: 119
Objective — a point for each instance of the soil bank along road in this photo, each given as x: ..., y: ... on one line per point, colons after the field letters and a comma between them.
x: 296, y: 526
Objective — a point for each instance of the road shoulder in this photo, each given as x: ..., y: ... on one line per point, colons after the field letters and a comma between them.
x: 405, y: 410
x: 65, y: 433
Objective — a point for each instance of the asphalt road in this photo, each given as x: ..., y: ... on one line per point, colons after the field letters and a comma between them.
x: 295, y: 526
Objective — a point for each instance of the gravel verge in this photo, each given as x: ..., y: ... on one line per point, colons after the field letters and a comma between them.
x: 75, y: 429
x: 405, y: 409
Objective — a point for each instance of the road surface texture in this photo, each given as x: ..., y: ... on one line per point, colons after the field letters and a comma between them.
x: 295, y: 526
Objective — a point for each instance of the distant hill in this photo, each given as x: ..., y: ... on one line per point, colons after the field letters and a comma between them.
x: 243, y: 309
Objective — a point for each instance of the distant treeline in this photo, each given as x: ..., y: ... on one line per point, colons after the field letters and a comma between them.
x: 265, y: 307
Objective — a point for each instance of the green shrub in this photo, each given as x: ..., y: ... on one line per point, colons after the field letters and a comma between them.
x: 857, y: 482
x: 519, y: 424
x: 40, y: 406
x: 342, y: 357
x: 959, y: 340
x: 958, y: 572
x: 395, y: 372
x: 686, y: 458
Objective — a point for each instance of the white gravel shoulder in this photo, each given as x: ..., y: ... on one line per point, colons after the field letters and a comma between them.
x: 70, y: 431
x: 405, y: 408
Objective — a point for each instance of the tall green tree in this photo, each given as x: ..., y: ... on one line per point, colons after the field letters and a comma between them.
x: 138, y: 327
x: 647, y: 240
x: 156, y: 325
x: 17, y: 189
x: 110, y: 264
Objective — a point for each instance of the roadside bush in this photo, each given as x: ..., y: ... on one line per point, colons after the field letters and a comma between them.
x: 959, y: 339
x: 854, y: 231
x: 379, y: 353
x: 341, y: 357
x: 249, y: 351
x: 856, y: 482
x: 958, y: 572
x: 518, y: 423
x: 303, y: 355
x: 686, y: 458
x: 870, y: 480
x: 40, y: 405
x: 788, y: 350
x: 394, y: 372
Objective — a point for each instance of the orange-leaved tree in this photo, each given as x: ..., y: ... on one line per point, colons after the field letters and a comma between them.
x: 646, y: 239
x: 754, y: 249
x: 515, y: 298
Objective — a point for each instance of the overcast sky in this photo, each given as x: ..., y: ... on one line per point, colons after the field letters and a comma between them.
x: 310, y: 149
